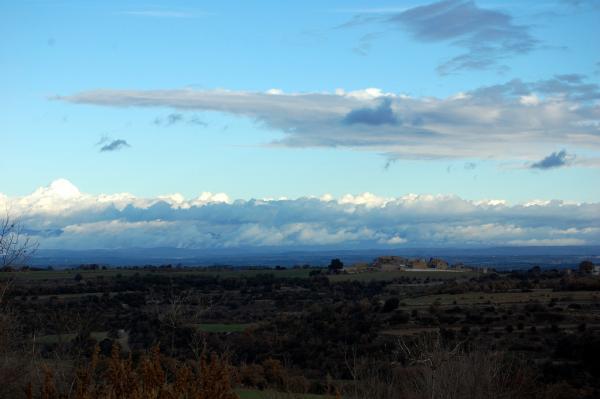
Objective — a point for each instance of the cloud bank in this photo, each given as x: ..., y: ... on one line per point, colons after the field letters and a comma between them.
x: 62, y: 217
x: 515, y: 120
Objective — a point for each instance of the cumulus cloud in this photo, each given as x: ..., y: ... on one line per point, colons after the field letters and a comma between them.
x: 62, y: 217
x: 554, y: 160
x: 488, y: 122
x: 114, y: 145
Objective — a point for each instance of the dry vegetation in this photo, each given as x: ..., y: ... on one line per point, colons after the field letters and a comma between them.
x: 154, y: 378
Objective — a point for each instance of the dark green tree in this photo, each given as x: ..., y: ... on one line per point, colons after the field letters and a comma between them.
x: 586, y: 266
x: 335, y: 266
x: 391, y: 304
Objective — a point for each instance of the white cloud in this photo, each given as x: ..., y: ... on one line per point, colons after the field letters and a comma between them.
x: 395, y: 240
x: 504, y: 122
x: 367, y: 199
x: 60, y: 216
x: 530, y: 99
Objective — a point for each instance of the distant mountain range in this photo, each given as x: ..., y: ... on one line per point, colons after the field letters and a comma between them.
x: 497, y: 257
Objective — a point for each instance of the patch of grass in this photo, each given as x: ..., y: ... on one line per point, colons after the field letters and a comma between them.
x: 400, y: 332
x: 497, y: 298
x: 55, y: 338
x: 287, y: 273
x: 66, y: 274
x: 92, y: 274
x: 67, y: 337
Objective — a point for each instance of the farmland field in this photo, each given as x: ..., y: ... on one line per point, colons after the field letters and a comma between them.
x: 495, y: 298
x: 89, y: 274
x: 69, y: 274
x: 280, y: 329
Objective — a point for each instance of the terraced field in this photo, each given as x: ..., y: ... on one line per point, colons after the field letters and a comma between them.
x: 500, y: 298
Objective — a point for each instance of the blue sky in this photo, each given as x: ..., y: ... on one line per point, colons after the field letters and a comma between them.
x: 270, y: 99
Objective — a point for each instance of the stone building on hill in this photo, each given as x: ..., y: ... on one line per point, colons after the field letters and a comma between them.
x: 390, y: 263
x: 419, y: 264
x: 437, y: 263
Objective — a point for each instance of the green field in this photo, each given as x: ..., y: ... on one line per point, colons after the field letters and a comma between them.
x: 229, y: 273
x: 255, y: 394
x: 64, y: 338
x: 58, y: 338
x: 92, y: 274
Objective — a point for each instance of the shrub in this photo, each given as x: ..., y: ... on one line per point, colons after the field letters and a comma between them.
x: 155, y: 377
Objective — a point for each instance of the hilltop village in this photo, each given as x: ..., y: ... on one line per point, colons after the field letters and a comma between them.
x: 399, y: 263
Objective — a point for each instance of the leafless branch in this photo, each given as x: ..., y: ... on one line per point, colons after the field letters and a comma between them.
x: 16, y: 247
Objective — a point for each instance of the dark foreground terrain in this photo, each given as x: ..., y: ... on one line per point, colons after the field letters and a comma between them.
x: 299, y: 333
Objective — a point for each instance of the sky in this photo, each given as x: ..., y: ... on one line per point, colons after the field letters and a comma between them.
x: 301, y: 124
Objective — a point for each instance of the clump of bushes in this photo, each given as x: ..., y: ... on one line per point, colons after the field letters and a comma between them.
x: 154, y: 377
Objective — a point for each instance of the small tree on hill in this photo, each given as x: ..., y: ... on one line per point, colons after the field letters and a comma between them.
x: 335, y: 266
x: 391, y: 304
x: 586, y: 266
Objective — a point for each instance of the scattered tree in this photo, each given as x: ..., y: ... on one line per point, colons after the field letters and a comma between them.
x: 391, y: 304
x: 335, y: 266
x: 586, y: 266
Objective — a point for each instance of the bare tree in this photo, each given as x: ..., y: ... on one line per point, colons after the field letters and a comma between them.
x: 16, y: 247
x: 428, y: 368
